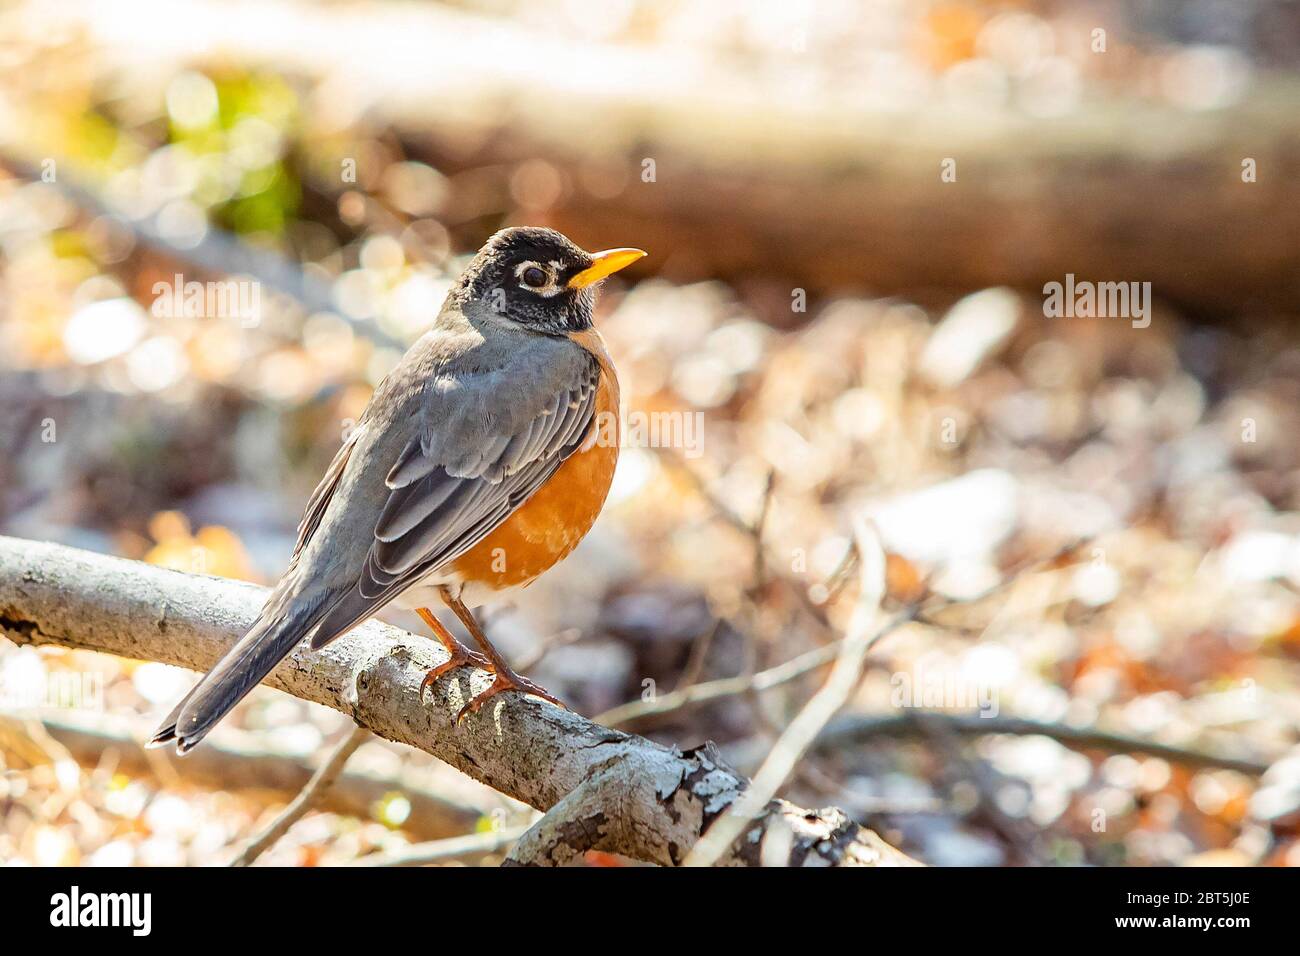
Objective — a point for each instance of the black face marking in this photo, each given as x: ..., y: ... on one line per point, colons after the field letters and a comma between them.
x: 522, y: 274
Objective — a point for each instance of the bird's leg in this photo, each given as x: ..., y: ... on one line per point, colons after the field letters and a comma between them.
x: 506, y: 678
x: 459, y: 653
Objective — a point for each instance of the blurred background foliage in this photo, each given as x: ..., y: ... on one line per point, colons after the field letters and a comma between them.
x: 1116, y: 507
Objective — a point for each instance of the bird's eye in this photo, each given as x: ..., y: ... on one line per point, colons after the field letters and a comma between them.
x: 534, y: 277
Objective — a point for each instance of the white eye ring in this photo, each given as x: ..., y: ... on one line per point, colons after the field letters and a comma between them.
x: 548, y: 288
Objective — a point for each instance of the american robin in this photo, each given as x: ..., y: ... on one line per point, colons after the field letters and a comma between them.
x: 481, y: 460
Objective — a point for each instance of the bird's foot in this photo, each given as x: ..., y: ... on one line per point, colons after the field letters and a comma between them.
x: 460, y: 656
x: 506, y: 679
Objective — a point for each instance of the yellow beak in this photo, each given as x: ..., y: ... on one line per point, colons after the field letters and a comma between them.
x: 605, y: 264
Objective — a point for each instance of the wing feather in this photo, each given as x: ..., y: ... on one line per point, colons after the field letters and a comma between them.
x: 446, y: 494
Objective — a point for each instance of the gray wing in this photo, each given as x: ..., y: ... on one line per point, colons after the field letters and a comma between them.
x: 479, y: 454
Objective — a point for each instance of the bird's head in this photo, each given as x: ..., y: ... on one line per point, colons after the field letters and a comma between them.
x: 539, y: 279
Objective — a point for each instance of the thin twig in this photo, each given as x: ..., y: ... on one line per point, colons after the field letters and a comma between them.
x: 803, y: 730
x: 859, y: 729
x: 724, y: 511
x: 862, y: 804
x: 958, y: 765
x: 443, y: 851
x: 1013, y: 576
x: 759, y: 583
x: 527, y: 662
x: 310, y: 795
x: 839, y: 577
x: 700, y: 648
x: 696, y: 694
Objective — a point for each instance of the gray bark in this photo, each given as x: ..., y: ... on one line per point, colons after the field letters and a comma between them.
x: 653, y: 801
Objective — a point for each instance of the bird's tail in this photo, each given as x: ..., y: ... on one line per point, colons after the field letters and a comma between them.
x: 268, y: 642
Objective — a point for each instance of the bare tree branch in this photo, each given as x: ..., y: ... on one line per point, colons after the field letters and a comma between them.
x: 763, y: 568
x: 860, y: 729
x: 322, y: 780
x: 442, y: 851
x: 661, y: 800
x: 803, y: 730
x: 694, y: 694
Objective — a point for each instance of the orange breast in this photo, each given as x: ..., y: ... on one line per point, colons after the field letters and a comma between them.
x: 549, y: 525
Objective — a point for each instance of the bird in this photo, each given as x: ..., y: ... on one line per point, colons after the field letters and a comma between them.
x: 480, y: 461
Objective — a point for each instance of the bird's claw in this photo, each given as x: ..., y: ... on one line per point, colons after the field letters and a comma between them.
x: 459, y: 659
x: 503, y: 681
